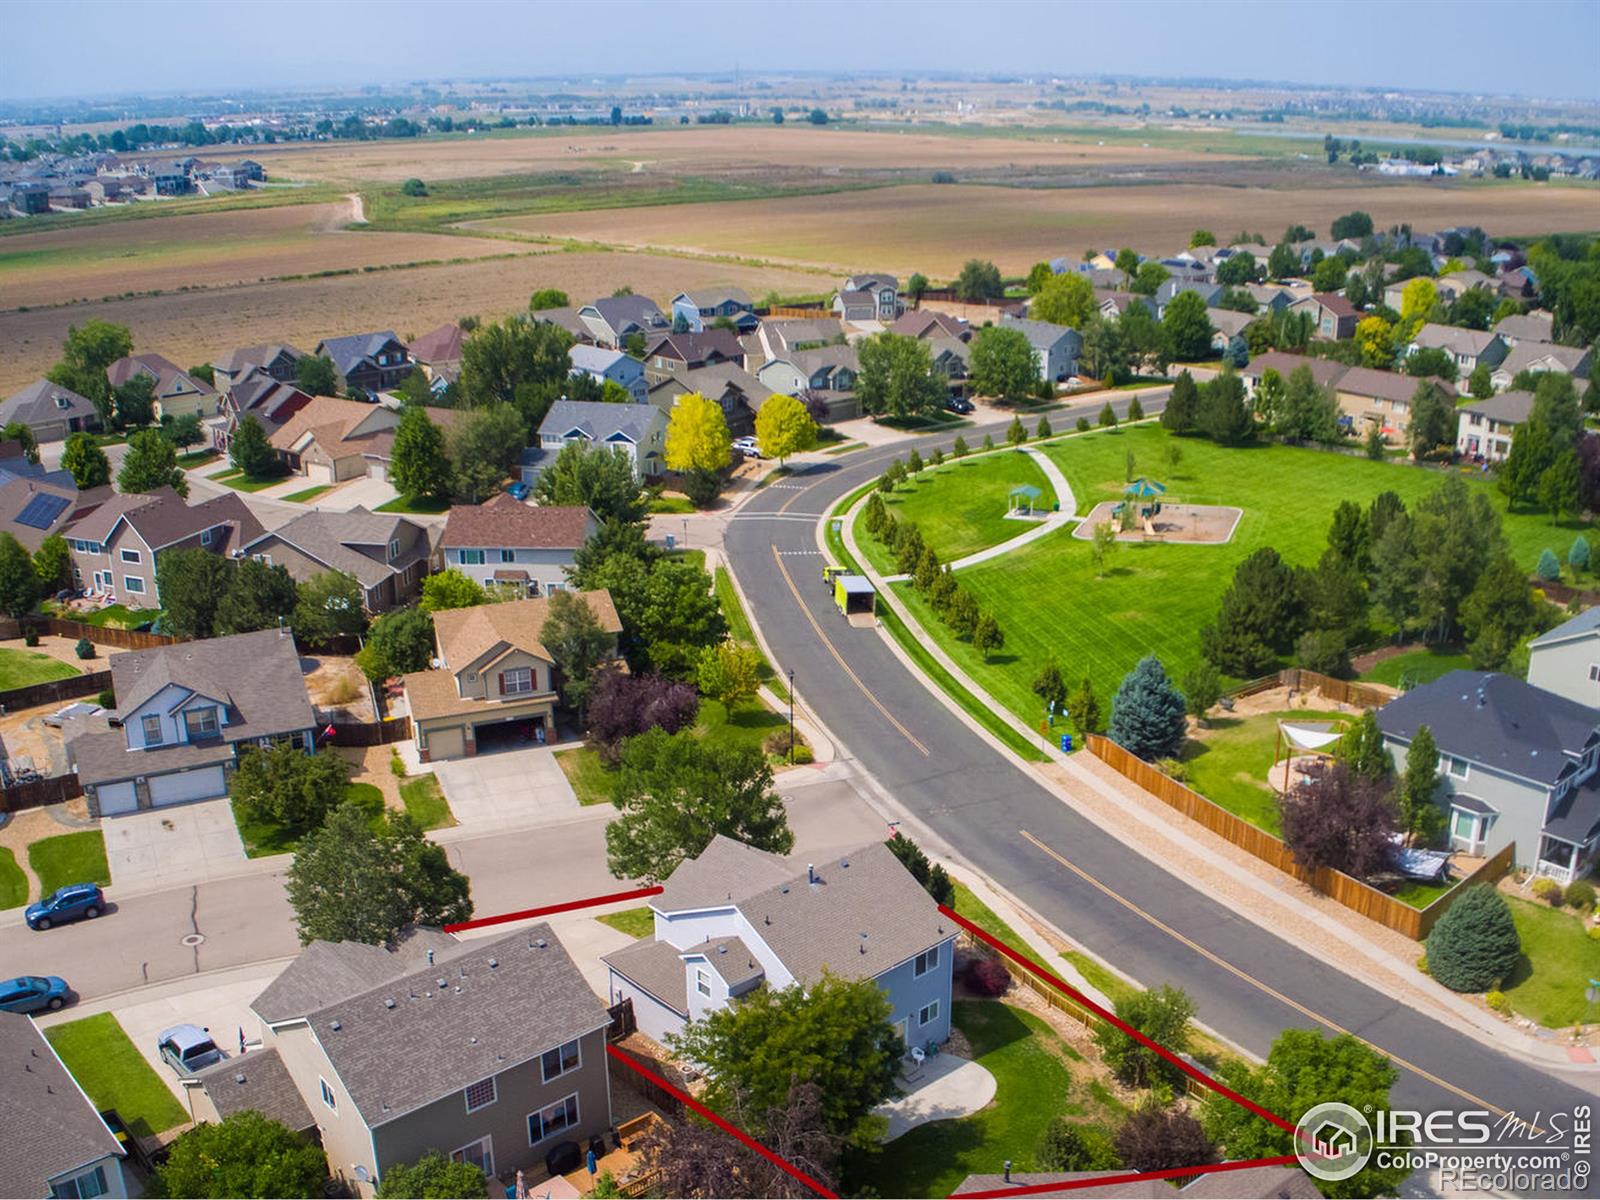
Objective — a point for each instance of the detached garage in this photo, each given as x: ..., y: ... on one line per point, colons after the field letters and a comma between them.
x: 203, y: 783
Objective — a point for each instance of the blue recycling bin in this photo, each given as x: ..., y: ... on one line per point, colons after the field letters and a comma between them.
x: 1066, y: 743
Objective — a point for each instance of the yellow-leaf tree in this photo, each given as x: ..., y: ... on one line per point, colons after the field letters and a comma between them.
x: 698, y: 445
x: 784, y: 427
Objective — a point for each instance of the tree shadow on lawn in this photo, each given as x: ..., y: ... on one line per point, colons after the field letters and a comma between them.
x: 1001, y: 660
x: 1520, y: 973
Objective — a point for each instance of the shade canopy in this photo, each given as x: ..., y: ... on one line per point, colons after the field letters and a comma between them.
x: 1146, y: 489
x: 1026, y: 490
x: 1310, y: 735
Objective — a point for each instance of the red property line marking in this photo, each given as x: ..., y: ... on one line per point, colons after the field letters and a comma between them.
x: 784, y: 1166
x: 1197, y: 1075
x: 592, y: 901
x: 1035, y: 1189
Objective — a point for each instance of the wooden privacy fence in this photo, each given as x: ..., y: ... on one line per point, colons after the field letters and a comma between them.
x: 100, y: 635
x: 367, y: 733
x: 802, y: 311
x: 1338, y: 690
x: 55, y: 690
x: 1350, y: 892
x: 52, y: 790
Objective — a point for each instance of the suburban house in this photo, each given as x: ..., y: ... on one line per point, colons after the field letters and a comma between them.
x: 491, y: 1051
x: 279, y: 361
x: 331, y: 440
x: 1112, y: 304
x: 1539, y: 357
x: 1247, y: 1183
x: 256, y: 394
x: 611, y: 366
x: 51, y: 411
x: 114, y: 548
x: 372, y: 362
x: 702, y: 307
x: 504, y: 541
x: 184, y: 713
x: 925, y: 323
x: 1467, y: 348
x: 1566, y: 660
x: 567, y: 318
x: 828, y: 372
x: 1380, y: 399
x: 678, y: 353
x: 735, y: 918
x: 1517, y: 283
x: 386, y: 553
x: 950, y: 359
x: 57, y: 1143
x: 1176, y: 286
x: 777, y: 338
x: 1484, y: 428
x: 177, y: 393
x: 738, y: 393
x: 1226, y: 324
x: 1325, y: 371
x: 637, y: 430
x: 1055, y: 347
x: 496, y: 683
x: 35, y: 503
x: 438, y: 353
x: 868, y: 298
x: 1516, y: 764
x: 613, y: 319
x: 1270, y: 297
x: 255, y: 1082
x: 1525, y: 327
x: 1333, y: 318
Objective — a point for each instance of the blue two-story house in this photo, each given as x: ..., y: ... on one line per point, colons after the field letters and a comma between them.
x: 611, y: 366
x: 735, y: 919
x: 694, y: 311
x: 184, y: 712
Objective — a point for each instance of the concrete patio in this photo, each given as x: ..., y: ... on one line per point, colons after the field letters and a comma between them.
x: 941, y: 1089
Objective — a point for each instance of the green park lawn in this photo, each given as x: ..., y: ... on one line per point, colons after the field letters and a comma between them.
x: 111, y: 1070
x: 960, y: 507
x: 1416, y: 667
x: 1559, y: 960
x: 13, y: 883
x: 69, y: 858
x: 425, y: 802
x: 674, y: 505
x: 311, y: 493
x: 19, y: 668
x: 1039, y: 1076
x: 196, y: 458
x: 635, y: 922
x: 1155, y: 598
x: 1229, y: 760
x: 265, y: 837
x: 240, y: 482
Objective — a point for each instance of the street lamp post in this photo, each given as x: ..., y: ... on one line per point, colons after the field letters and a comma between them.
x: 791, y: 716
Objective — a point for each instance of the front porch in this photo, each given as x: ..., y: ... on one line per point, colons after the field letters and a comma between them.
x: 1562, y: 860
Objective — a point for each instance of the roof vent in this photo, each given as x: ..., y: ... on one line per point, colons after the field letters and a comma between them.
x: 811, y: 874
x: 722, y: 949
x: 388, y: 1002
x: 493, y: 963
x: 845, y: 863
x: 541, y: 943
x: 334, y: 1026
x: 443, y: 983
x: 784, y: 889
x: 767, y: 920
x: 862, y: 945
x: 239, y: 1078
x: 462, y: 971
x: 430, y: 958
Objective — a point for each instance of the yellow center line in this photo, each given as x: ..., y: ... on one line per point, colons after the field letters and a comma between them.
x: 828, y: 642
x: 1476, y: 1101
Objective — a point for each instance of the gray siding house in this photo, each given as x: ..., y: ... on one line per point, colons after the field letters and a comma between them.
x: 736, y: 918
x: 636, y: 430
x: 505, y: 541
x: 1055, y: 347
x: 602, y: 365
x: 1517, y: 766
x: 1566, y: 660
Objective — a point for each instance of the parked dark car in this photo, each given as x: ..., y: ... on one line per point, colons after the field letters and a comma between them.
x: 75, y: 902
x: 187, y: 1049
x: 959, y: 404
x: 32, y: 993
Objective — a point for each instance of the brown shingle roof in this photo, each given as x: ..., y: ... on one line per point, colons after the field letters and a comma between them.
x: 466, y: 633
x: 1386, y: 385
x: 507, y: 522
x: 258, y: 1082
x: 1323, y: 370
x: 439, y: 345
x: 161, y: 518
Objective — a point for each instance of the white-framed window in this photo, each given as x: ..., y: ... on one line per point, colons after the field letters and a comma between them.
x: 508, y: 556
x: 132, y: 556
x: 1594, y: 672
x: 134, y: 584
x: 481, y: 1094
x: 394, y: 549
x: 555, y: 587
x: 553, y: 1064
x: 926, y: 961
x: 1454, y: 767
x: 327, y: 1094
x: 81, y: 1187
x: 548, y: 1122
x: 702, y: 983
x: 516, y: 681
x: 201, y: 722
x: 928, y: 1014
x: 479, y: 1153
x: 151, y: 724
x: 472, y: 558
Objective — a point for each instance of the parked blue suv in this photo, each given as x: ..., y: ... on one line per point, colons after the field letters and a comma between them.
x: 32, y: 993
x: 76, y: 901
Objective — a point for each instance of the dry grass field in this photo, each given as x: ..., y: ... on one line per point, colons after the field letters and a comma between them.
x: 210, y: 250
x: 700, y: 149
x: 935, y: 228
x: 197, y: 326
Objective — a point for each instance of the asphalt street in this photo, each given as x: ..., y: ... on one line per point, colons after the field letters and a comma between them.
x: 1247, y: 983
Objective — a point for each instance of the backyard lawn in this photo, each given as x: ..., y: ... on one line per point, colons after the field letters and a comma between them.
x: 1416, y: 667
x: 960, y: 507
x: 1559, y: 959
x: 114, y: 616
x: 111, y: 1070
x: 426, y: 803
x: 1034, y: 1070
x: 13, y: 883
x: 413, y: 504
x: 19, y: 668
x: 590, y: 778
x: 262, y: 838
x: 635, y: 922
x: 1228, y: 763
x: 69, y: 858
x: 1155, y: 598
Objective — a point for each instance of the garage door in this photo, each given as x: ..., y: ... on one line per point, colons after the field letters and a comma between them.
x: 319, y: 473
x: 116, y: 798
x: 187, y: 785
x: 446, y: 743
x: 377, y: 470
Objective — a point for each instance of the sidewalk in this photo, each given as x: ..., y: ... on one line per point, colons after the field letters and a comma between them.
x: 1270, y: 899
x: 1065, y: 513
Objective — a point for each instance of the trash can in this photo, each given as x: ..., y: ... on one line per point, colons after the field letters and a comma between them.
x: 1066, y: 743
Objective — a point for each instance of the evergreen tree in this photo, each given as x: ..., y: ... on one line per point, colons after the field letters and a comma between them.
x: 1549, y: 566
x: 20, y: 588
x: 1148, y: 713
x: 1015, y: 433
x: 249, y: 449
x: 1500, y: 611
x: 1475, y: 945
x: 1363, y: 751
x: 1135, y: 410
x: 1224, y: 416
x: 151, y: 463
x: 1578, y: 555
x: 418, y: 467
x: 1202, y: 687
x: 1083, y: 706
x: 1420, y: 817
x: 1262, y: 612
x: 87, y: 463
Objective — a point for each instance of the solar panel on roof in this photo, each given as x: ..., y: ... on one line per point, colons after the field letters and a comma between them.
x: 42, y: 510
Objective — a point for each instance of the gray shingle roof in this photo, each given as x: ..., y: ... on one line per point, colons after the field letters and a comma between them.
x: 348, y: 352
x: 599, y: 421
x: 730, y: 958
x: 258, y: 1082
x: 1577, y: 817
x: 486, y: 1007
x: 1508, y: 408
x: 1585, y: 622
x: 327, y: 971
x: 1454, y: 339
x: 329, y: 537
x: 657, y: 968
x: 1041, y: 335
x: 1495, y: 720
x: 37, y: 404
x: 50, y: 1125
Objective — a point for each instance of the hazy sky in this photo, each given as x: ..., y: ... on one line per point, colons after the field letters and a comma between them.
x: 53, y: 47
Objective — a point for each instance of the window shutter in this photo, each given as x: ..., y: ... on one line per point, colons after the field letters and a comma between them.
x: 502, y: 678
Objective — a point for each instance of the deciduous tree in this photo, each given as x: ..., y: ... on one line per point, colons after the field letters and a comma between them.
x: 1153, y: 1139
x: 597, y: 477
x: 245, y: 1154
x: 729, y: 673
x: 979, y: 280
x: 784, y: 427
x: 1003, y: 363
x: 418, y: 465
x: 259, y: 596
x: 193, y: 584
x: 315, y: 376
x: 88, y: 464
x: 288, y: 787
x: 20, y: 588
x: 329, y: 605
x: 52, y: 563
x: 400, y: 640
x: 577, y: 644
x: 432, y: 1177
x: 451, y: 588
x: 484, y: 447
x: 1065, y: 299
x: 1162, y: 1015
x: 151, y: 463
x: 250, y: 451
x: 1334, y: 818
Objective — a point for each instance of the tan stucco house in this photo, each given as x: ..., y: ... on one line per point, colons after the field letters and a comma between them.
x: 496, y: 682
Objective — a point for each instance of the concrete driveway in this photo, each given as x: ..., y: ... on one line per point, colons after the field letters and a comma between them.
x: 168, y: 847
x: 507, y: 789
x: 367, y: 492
